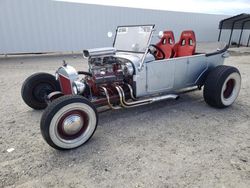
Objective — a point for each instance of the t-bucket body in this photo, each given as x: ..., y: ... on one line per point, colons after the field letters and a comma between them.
x: 152, y: 76
x: 133, y: 72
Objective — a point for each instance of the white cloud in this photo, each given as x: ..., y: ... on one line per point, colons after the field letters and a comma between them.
x: 205, y: 6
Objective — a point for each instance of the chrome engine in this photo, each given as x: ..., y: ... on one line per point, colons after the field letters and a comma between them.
x: 104, y: 69
x: 109, y: 69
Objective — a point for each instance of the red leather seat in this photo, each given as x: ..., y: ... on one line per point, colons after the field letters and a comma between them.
x: 166, y: 44
x: 186, y: 45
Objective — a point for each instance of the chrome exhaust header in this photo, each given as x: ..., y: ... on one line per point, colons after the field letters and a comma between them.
x: 108, y: 99
x: 126, y: 104
x: 135, y: 102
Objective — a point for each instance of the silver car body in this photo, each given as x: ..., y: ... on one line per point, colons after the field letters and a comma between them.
x: 153, y: 76
x: 168, y: 75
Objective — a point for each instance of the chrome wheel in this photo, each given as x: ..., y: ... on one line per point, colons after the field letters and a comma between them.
x: 69, y: 122
x: 72, y: 124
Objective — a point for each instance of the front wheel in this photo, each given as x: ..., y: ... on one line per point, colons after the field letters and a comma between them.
x: 222, y: 86
x: 68, y: 122
x: 36, y: 88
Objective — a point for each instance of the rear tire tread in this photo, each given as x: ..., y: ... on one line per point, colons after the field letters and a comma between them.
x: 213, y: 85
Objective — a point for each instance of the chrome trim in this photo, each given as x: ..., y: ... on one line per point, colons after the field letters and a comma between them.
x: 108, y: 99
x: 80, y: 87
x: 128, y: 69
x: 72, y: 124
x: 109, y: 51
x: 126, y: 104
x: 69, y: 73
x: 131, y: 92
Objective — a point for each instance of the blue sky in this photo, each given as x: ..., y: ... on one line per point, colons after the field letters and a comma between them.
x: 227, y: 7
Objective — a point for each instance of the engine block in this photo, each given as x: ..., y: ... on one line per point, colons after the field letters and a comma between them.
x: 107, y: 70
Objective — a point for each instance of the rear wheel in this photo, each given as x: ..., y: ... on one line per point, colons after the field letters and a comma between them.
x: 68, y: 122
x: 222, y: 86
x: 36, y: 87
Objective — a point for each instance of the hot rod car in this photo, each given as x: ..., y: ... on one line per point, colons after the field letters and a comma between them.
x: 133, y: 72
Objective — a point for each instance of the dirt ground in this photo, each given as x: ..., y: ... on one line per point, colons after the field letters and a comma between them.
x: 182, y: 143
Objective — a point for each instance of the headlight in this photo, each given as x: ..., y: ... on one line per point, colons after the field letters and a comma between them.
x: 78, y: 87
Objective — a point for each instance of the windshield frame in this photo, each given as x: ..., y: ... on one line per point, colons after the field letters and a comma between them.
x: 149, y: 39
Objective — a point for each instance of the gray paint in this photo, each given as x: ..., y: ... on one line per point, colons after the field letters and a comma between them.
x: 170, y: 75
x: 46, y: 26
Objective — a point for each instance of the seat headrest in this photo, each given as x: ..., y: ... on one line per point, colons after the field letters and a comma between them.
x: 168, y: 38
x: 187, y: 35
x: 169, y: 34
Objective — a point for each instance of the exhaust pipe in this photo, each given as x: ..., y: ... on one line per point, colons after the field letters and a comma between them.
x: 136, y: 102
x: 126, y: 104
x: 131, y: 92
x: 108, y: 99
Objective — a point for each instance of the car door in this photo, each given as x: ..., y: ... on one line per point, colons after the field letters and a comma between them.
x: 176, y: 73
x: 165, y: 75
x: 160, y: 75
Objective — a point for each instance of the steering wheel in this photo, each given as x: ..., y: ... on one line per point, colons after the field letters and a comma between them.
x: 158, y: 54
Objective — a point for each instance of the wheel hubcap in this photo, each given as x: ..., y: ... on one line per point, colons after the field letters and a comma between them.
x: 72, y: 124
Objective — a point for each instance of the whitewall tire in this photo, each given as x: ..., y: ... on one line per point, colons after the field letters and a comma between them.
x: 222, y: 86
x: 68, y: 122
